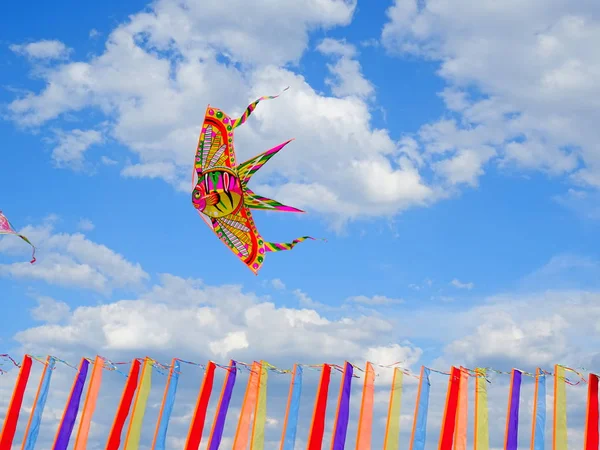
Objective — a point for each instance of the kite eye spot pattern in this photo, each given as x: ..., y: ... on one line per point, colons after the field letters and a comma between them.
x: 226, y: 120
x: 211, y: 112
x: 219, y: 115
x: 260, y: 259
x: 255, y: 266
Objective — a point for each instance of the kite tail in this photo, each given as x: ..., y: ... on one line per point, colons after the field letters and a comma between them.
x: 282, y: 246
x: 250, y: 109
x: 33, y: 260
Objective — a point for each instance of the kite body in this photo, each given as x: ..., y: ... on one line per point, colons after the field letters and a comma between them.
x: 221, y: 194
x: 7, y: 228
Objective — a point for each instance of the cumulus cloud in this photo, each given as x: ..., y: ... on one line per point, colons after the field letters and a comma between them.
x: 42, y: 50
x: 460, y: 285
x: 72, y: 145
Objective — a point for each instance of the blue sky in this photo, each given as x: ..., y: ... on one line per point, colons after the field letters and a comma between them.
x: 453, y: 172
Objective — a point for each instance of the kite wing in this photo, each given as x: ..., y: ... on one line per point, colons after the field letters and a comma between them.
x: 7, y: 228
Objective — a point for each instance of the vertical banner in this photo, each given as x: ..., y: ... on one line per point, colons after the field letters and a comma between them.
x: 11, y: 419
x: 392, y: 427
x: 219, y: 424
x: 512, y: 416
x: 449, y: 420
x: 340, y: 427
x: 242, y: 433
x: 166, y: 407
x: 114, y: 438
x: 559, y: 436
x: 481, y: 435
x: 538, y: 426
x: 63, y: 435
x: 317, y: 428
x: 419, y: 431
x: 89, y: 405
x: 288, y: 435
x: 592, y: 440
x: 197, y: 425
x: 134, y: 432
x: 35, y: 418
x: 365, y: 420
x: 260, y: 411
x: 460, y: 432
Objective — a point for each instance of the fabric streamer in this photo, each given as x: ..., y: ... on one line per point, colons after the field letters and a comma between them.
x: 449, y: 420
x: 166, y: 407
x: 538, y: 426
x: 242, y: 433
x: 592, y: 440
x: 512, y: 416
x: 134, y: 432
x: 63, y: 435
x: 114, y: 439
x: 89, y: 405
x: 7, y: 228
x: 482, y: 429
x: 460, y: 432
x: 290, y: 424
x: 392, y: 427
x: 419, y: 431
x: 35, y: 418
x: 365, y: 419
x: 197, y: 426
x: 250, y: 109
x: 317, y: 428
x: 260, y: 412
x: 559, y: 436
x: 9, y: 427
x: 340, y: 427
x: 219, y: 424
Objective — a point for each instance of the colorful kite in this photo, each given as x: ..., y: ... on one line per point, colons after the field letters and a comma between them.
x: 221, y: 194
x: 7, y: 228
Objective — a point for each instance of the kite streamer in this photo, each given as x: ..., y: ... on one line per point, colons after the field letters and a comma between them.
x: 419, y: 431
x: 219, y: 424
x: 460, y: 433
x: 260, y: 413
x: 248, y: 405
x: 365, y: 419
x: 559, y: 436
x: 250, y: 109
x: 392, y: 427
x: 89, y: 405
x: 197, y: 426
x: 288, y: 436
x: 35, y: 418
x: 317, y: 428
x: 63, y: 435
x: 166, y: 407
x: 538, y: 426
x: 482, y: 430
x: 14, y: 407
x: 449, y: 420
x: 592, y: 440
x: 7, y: 228
x: 134, y: 432
x: 512, y: 416
x: 340, y: 427
x: 114, y: 439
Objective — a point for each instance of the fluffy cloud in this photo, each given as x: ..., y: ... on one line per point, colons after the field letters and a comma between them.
x: 71, y: 260
x: 71, y: 146
x: 44, y: 50
x: 520, y: 84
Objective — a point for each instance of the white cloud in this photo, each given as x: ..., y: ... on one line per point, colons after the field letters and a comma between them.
x: 45, y: 49
x: 86, y: 225
x: 278, y: 284
x: 520, y: 77
x: 108, y: 161
x: 460, y: 285
x: 72, y: 260
x: 347, y: 73
x: 72, y: 146
x: 50, y: 310
x: 376, y: 300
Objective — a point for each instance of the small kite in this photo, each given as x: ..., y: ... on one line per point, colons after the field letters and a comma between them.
x: 7, y: 228
x: 221, y: 194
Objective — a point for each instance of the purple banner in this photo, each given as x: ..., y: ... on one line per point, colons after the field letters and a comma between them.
x: 217, y: 432
x: 341, y: 426
x: 512, y: 426
x: 68, y: 421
